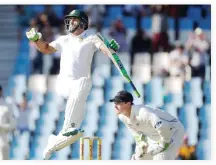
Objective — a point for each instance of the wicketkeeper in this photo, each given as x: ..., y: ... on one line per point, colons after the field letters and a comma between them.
x: 158, y: 135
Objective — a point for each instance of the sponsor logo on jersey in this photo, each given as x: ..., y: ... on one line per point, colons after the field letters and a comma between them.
x: 158, y: 124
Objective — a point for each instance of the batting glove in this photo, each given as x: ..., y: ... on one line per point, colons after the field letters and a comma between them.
x: 157, y: 148
x: 33, y: 35
x: 114, y: 45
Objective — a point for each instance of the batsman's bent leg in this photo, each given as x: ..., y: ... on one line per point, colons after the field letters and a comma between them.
x: 74, y: 115
x: 75, y: 107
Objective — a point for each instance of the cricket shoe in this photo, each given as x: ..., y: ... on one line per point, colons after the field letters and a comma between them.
x: 47, y: 153
x: 63, y: 139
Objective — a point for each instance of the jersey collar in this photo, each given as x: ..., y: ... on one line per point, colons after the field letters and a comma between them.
x: 132, y: 115
x: 81, y: 36
x: 133, y: 112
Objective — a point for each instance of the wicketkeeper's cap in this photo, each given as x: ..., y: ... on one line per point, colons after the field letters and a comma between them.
x: 122, y: 96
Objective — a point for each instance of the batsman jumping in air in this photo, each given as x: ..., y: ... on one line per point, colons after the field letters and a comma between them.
x: 74, y: 80
x: 158, y: 134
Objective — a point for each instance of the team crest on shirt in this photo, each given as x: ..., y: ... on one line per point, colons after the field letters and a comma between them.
x: 81, y: 38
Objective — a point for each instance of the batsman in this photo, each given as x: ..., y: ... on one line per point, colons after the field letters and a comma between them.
x: 74, y: 79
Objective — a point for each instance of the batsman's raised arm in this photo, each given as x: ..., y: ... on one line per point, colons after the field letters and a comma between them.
x: 110, y: 48
x: 41, y: 45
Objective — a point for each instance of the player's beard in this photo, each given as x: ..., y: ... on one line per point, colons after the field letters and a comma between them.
x: 69, y: 27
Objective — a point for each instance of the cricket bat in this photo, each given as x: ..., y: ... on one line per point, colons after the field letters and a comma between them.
x: 118, y: 63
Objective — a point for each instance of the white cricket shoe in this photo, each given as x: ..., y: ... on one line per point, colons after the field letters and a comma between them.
x: 47, y: 153
x: 65, y: 138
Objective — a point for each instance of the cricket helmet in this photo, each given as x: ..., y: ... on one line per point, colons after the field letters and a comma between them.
x: 81, y: 15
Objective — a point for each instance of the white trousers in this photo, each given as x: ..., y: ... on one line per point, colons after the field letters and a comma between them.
x: 76, y: 92
x: 172, y: 151
x: 4, y: 152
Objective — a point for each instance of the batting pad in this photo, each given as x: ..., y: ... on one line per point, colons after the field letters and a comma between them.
x: 63, y: 141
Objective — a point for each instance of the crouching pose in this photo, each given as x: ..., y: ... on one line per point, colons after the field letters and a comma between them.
x: 158, y: 135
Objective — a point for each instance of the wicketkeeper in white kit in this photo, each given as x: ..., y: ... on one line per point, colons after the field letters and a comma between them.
x: 74, y: 80
x: 158, y: 135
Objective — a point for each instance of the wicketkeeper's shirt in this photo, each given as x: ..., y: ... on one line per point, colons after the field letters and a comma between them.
x: 76, y: 54
x: 153, y: 123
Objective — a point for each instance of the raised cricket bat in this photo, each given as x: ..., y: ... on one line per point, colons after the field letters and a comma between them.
x: 118, y: 63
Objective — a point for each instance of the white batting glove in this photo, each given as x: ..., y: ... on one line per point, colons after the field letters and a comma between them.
x: 157, y: 148
x: 33, y: 35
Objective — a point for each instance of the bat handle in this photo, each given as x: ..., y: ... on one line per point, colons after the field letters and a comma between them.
x: 134, y: 89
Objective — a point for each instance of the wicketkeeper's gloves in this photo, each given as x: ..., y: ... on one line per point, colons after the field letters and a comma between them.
x: 158, y: 147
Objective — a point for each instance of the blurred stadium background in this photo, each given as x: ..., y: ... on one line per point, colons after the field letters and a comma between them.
x: 165, y: 48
